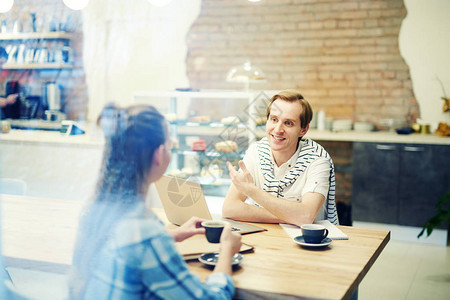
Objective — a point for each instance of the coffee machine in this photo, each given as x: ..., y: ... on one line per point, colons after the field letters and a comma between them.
x: 52, y: 100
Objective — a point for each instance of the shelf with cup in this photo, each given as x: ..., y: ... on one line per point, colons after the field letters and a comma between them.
x: 37, y: 50
x: 37, y: 66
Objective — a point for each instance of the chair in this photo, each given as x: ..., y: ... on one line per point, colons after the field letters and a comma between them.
x: 13, y: 186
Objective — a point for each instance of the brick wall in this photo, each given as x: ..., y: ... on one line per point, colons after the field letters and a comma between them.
x: 72, y: 80
x: 343, y: 55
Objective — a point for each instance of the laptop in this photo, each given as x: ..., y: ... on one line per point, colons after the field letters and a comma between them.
x: 183, y: 199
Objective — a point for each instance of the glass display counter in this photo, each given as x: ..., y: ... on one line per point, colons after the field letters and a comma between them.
x: 209, y: 128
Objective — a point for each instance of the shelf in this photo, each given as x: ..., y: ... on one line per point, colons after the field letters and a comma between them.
x: 46, y: 66
x: 240, y: 130
x: 35, y: 35
x: 208, y: 153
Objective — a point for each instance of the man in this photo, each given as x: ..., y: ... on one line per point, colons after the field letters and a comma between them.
x: 10, y: 99
x: 282, y: 178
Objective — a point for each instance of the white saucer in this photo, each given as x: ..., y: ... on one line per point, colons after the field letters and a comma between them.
x: 211, y: 259
x: 301, y: 241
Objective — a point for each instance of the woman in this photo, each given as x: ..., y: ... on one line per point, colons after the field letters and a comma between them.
x: 123, y: 251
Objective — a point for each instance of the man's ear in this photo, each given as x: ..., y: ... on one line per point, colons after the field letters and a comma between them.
x: 303, y: 131
x: 158, y: 155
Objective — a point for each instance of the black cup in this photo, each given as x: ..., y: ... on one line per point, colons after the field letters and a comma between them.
x: 213, y: 230
x: 314, y: 233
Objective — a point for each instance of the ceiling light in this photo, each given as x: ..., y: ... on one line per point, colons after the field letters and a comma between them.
x: 159, y: 3
x: 6, y: 5
x: 76, y: 4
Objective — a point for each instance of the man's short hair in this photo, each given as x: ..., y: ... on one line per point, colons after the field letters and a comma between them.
x: 292, y: 96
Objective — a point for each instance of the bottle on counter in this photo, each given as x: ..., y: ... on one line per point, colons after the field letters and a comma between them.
x: 321, y: 125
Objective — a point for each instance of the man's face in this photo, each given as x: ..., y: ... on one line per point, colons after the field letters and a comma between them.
x: 283, y: 126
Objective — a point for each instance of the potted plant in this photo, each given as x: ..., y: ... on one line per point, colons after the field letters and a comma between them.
x: 442, y: 216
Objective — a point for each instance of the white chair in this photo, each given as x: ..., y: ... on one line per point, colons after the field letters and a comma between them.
x: 13, y: 186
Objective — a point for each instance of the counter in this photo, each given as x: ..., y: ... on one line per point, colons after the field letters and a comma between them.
x: 66, y: 167
x: 53, y: 137
x: 377, y: 137
x: 52, y: 164
x: 95, y: 138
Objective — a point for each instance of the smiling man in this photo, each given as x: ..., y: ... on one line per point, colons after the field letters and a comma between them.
x: 283, y: 178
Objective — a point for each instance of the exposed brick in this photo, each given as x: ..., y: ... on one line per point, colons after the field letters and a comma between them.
x: 369, y: 5
x: 343, y: 55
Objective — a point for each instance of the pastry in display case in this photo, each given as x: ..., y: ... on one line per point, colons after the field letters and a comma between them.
x: 171, y: 117
x: 260, y: 120
x: 199, y: 145
x: 226, y: 146
x: 183, y: 173
x: 230, y: 120
x: 200, y: 119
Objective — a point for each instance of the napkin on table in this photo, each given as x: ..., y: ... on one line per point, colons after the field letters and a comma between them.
x: 334, y: 233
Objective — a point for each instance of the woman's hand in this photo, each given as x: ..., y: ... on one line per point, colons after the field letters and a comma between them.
x: 230, y: 244
x: 191, y: 227
x: 243, y: 181
x: 230, y: 240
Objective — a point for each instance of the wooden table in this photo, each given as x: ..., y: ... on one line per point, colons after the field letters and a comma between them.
x: 38, y: 229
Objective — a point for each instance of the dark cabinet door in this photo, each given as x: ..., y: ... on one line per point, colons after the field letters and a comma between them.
x: 425, y: 178
x: 375, y: 182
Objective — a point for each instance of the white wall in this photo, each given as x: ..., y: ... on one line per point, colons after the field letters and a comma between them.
x: 132, y: 45
x: 425, y: 45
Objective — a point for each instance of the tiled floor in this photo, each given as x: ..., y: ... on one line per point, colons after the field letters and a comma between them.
x: 409, y: 268
x: 408, y: 271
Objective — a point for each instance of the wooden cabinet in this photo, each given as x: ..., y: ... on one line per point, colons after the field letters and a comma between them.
x: 398, y: 183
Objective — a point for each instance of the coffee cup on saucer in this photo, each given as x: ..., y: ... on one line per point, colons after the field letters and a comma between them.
x: 213, y: 230
x: 314, y: 233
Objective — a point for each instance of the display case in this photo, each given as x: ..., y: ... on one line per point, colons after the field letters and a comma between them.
x: 209, y: 127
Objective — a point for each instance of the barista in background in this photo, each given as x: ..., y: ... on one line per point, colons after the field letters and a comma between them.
x: 10, y: 99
